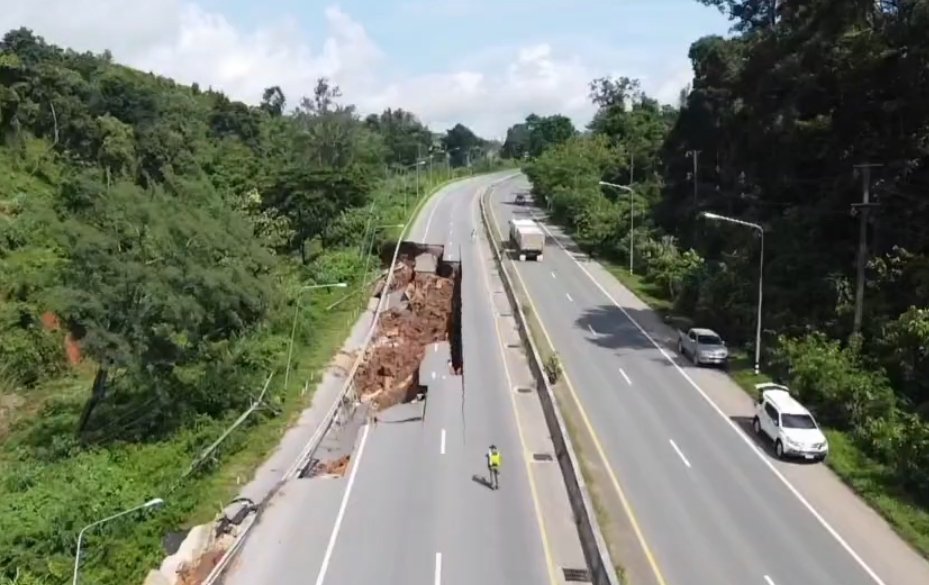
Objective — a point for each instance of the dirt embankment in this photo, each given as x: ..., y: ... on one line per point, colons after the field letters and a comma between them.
x: 389, y: 374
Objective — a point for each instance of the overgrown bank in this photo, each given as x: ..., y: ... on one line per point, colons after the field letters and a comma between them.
x: 156, y: 241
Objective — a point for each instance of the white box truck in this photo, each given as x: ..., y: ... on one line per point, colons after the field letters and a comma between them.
x: 527, y: 239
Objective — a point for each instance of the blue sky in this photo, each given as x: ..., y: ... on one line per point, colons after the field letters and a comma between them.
x: 487, y: 64
x: 422, y: 36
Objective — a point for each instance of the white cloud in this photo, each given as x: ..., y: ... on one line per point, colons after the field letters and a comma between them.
x: 184, y: 41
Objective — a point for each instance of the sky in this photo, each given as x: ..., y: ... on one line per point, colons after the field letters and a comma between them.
x: 484, y: 63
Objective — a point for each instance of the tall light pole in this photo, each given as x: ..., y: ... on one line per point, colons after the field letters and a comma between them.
x: 417, y: 164
x: 293, y: 327
x: 80, y: 537
x: 760, y: 230
x: 631, y: 220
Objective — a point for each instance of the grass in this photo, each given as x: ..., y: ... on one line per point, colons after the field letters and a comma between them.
x: 869, y: 479
x: 309, y: 360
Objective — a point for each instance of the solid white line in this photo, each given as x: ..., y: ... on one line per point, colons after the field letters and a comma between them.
x: 768, y: 580
x: 433, y: 375
x: 569, y: 297
x: 442, y: 448
x: 628, y: 381
x: 355, y: 464
x: 438, y: 568
x: 435, y: 205
x: 679, y: 452
x: 763, y: 457
x: 591, y: 329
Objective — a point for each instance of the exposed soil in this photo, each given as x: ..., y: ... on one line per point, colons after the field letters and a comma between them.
x: 390, y: 371
x: 336, y: 467
x: 51, y: 322
x: 197, y: 573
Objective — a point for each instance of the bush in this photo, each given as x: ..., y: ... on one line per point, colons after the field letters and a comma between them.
x: 834, y: 381
x: 28, y: 353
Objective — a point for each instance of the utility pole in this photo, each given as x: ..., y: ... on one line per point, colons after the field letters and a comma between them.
x: 631, y: 168
x: 863, y: 210
x: 694, y: 154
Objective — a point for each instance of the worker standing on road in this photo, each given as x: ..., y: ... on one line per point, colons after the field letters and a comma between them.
x: 493, y: 464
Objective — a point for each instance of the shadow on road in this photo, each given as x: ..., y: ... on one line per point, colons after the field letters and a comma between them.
x: 608, y: 327
x: 482, y: 480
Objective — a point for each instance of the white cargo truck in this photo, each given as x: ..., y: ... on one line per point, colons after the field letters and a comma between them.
x: 527, y: 239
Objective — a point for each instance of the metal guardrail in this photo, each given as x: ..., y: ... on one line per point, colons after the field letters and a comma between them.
x: 596, y: 554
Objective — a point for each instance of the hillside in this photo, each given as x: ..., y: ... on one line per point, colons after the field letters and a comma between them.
x: 153, y: 241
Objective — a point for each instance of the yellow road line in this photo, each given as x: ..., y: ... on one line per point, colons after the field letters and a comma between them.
x: 627, y: 508
x: 549, y: 561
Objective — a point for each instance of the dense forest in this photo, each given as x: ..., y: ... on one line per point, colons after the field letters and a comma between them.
x: 155, y: 240
x: 806, y: 107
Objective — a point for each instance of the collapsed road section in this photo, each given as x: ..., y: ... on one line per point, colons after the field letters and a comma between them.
x: 421, y: 310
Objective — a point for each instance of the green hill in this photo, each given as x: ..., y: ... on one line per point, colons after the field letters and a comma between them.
x: 153, y: 237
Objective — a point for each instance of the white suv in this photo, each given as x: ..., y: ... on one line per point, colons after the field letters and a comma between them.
x: 788, y: 424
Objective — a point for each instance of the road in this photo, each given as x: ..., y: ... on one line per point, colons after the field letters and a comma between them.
x: 712, y: 507
x: 412, y: 508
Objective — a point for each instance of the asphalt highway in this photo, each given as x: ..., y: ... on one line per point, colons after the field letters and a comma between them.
x: 711, y: 511
x: 413, y: 508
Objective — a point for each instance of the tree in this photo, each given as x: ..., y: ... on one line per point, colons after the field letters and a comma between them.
x: 330, y: 135
x: 405, y: 137
x: 273, y: 101
x: 460, y: 143
x: 312, y: 198
x: 546, y: 132
x: 633, y: 122
x: 150, y: 278
x: 516, y: 145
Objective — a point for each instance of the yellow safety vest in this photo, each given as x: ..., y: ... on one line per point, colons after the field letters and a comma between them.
x: 495, y: 459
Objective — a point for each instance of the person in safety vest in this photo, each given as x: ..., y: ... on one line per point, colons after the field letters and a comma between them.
x: 493, y: 463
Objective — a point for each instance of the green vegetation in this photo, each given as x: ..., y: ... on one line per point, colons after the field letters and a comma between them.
x: 155, y: 240
x: 771, y: 132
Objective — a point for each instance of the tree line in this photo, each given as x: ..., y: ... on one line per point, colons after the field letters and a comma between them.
x: 788, y: 123
x: 163, y: 232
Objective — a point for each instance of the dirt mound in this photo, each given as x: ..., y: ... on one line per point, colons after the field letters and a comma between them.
x: 389, y: 374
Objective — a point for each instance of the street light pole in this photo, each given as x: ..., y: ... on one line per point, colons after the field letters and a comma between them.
x: 754, y: 226
x: 417, y: 164
x: 631, y: 220
x: 293, y: 327
x: 80, y: 537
